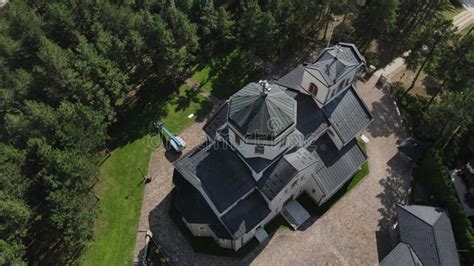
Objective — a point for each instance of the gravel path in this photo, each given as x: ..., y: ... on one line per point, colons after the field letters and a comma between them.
x: 353, y: 231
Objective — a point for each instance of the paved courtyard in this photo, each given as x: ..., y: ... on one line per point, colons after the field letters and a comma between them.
x: 352, y: 232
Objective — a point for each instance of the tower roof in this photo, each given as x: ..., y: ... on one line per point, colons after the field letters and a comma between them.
x: 335, y: 61
x: 262, y: 111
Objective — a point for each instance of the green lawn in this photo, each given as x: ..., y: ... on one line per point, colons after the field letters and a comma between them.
x: 120, y: 188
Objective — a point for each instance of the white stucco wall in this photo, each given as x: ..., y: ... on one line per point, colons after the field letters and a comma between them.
x: 199, y: 229
x: 350, y: 76
x: 313, y: 190
x: 248, y: 150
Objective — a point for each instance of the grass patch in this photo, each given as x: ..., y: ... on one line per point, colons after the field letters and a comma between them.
x: 121, y: 188
x: 223, y: 76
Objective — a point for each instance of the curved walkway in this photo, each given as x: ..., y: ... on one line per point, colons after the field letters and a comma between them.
x: 353, y: 231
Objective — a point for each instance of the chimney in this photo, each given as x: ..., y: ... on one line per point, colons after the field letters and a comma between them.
x: 265, y: 87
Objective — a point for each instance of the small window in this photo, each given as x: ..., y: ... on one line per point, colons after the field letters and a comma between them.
x: 259, y: 149
x: 331, y: 133
x: 348, y: 81
x: 283, y: 142
x: 313, y: 89
x: 237, y: 140
x: 202, y: 228
x: 314, y: 190
x: 341, y: 85
x: 294, y: 184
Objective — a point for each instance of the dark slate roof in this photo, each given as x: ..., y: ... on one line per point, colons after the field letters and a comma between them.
x: 276, y: 177
x: 338, y: 170
x: 329, y: 167
x: 262, y: 115
x: 258, y: 164
x: 401, y: 255
x: 324, y: 150
x: 347, y: 114
x: 429, y: 233
x: 222, y: 174
x: 333, y: 63
x: 194, y: 208
x: 311, y: 120
x: 293, y: 79
x: 217, y: 120
x: 244, y: 216
x: 412, y: 148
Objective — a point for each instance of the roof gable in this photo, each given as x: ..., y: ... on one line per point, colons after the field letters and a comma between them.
x: 428, y: 232
x: 401, y: 255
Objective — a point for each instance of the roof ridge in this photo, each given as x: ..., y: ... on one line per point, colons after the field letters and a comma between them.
x: 432, y: 226
x: 436, y: 243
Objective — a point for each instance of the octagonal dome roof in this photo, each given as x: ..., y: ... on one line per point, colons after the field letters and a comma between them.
x: 262, y: 111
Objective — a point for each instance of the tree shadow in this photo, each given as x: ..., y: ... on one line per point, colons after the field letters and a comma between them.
x: 141, y: 111
x: 386, y: 119
x: 431, y: 85
x: 388, y: 50
x: 396, y: 190
x: 205, y: 110
x: 183, y: 101
x: 231, y: 74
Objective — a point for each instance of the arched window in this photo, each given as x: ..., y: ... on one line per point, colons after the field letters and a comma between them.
x: 313, y: 89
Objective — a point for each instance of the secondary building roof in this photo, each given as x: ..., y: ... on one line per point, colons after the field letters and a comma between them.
x: 244, y: 216
x: 347, y: 114
x: 339, y: 168
x: 412, y: 149
x: 194, y: 208
x: 334, y: 63
x: 329, y: 167
x: 222, y: 174
x: 401, y: 255
x: 428, y: 232
x: 261, y: 112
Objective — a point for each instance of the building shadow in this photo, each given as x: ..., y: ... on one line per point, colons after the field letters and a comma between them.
x: 396, y: 190
x: 179, y: 246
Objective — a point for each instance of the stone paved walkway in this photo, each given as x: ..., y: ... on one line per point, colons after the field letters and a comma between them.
x: 352, y: 232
